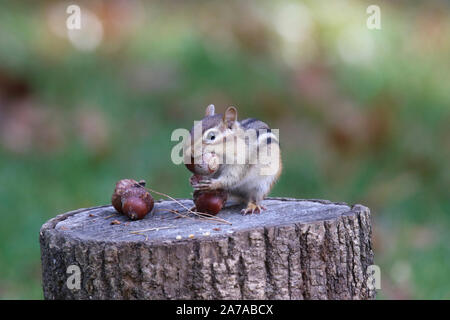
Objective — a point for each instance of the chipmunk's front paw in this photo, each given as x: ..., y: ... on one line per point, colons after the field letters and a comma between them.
x: 207, y: 185
x: 253, y: 208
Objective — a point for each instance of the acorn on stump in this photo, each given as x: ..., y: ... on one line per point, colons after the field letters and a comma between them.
x: 210, y: 202
x: 132, y: 199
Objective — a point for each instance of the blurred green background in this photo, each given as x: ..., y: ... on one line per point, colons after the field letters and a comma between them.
x: 364, y: 115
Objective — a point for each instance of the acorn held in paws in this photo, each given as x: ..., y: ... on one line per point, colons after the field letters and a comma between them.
x: 210, y: 202
x: 208, y: 164
x: 132, y: 199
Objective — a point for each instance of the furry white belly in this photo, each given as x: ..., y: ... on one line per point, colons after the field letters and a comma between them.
x: 252, y: 189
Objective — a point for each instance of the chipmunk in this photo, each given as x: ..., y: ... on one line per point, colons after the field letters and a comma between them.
x: 248, y: 168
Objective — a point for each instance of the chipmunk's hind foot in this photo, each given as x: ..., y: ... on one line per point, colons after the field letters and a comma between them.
x: 253, y: 208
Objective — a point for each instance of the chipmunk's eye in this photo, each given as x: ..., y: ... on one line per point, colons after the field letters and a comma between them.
x: 211, y: 136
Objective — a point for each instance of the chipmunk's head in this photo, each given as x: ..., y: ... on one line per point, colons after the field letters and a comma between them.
x: 211, y: 133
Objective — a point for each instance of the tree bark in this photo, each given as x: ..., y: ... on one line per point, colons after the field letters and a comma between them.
x: 296, y: 249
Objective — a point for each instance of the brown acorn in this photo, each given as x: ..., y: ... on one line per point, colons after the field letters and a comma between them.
x: 136, y: 203
x: 210, y: 202
x: 190, y: 166
x: 208, y: 164
x: 132, y: 199
x: 121, y: 187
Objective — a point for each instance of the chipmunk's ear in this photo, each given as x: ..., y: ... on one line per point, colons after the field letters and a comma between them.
x: 230, y: 116
x: 210, y: 110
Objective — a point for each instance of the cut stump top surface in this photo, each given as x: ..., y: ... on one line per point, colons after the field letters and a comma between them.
x: 94, y: 224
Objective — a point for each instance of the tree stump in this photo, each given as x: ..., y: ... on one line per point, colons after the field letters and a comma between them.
x: 296, y: 249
